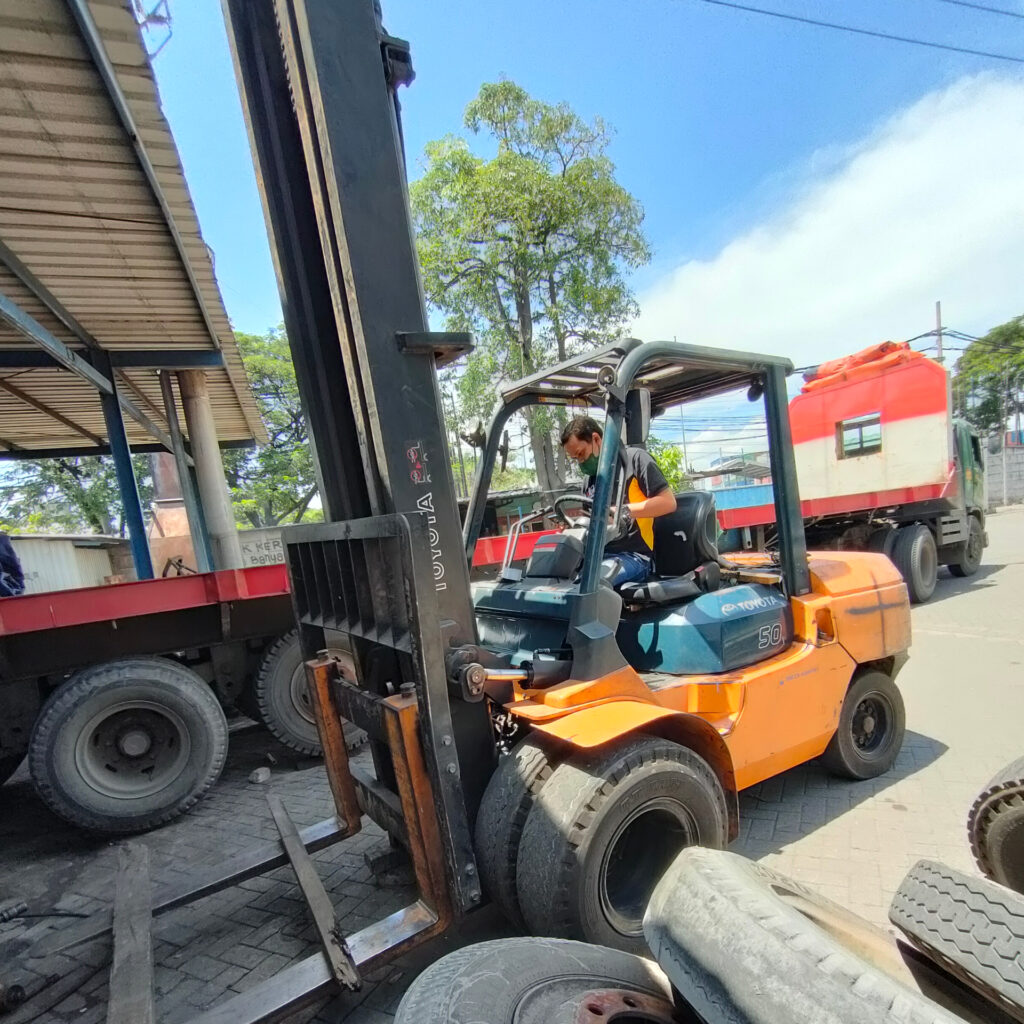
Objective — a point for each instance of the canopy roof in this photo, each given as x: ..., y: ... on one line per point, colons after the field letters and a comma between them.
x: 100, y: 248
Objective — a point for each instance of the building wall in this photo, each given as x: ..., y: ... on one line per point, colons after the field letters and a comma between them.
x: 63, y: 563
x: 261, y: 547
x: 1014, y: 476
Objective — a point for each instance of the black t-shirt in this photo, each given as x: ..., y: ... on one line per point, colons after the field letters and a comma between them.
x: 643, y: 480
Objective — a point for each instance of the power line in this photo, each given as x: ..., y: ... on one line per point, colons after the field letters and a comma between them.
x: 983, y: 7
x: 863, y: 31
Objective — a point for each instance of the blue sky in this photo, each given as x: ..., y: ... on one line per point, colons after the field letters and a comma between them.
x: 722, y: 118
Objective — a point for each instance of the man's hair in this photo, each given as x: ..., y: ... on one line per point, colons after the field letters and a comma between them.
x: 583, y: 428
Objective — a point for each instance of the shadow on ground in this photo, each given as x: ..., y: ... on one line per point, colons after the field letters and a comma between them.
x: 784, y: 809
x: 949, y: 585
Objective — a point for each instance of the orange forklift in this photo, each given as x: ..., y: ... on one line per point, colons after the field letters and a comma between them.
x: 541, y: 740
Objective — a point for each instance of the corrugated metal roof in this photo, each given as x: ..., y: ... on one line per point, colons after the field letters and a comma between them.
x: 77, y: 209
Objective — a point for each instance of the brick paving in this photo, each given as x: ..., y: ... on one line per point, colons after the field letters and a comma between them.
x: 852, y: 841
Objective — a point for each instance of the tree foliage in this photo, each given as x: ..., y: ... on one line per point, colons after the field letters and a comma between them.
x: 68, y: 495
x: 669, y: 458
x: 526, y: 249
x: 275, y: 483
x: 989, y: 380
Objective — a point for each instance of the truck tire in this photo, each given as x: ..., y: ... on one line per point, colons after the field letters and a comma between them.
x: 283, y: 702
x: 128, y: 745
x: 530, y: 981
x: 917, y: 559
x: 882, y: 541
x: 995, y: 827
x: 970, y: 560
x: 603, y: 829
x: 972, y: 927
x: 746, y: 945
x: 499, y: 824
x: 872, y: 723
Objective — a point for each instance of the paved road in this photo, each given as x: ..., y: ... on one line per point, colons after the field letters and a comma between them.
x: 964, y: 691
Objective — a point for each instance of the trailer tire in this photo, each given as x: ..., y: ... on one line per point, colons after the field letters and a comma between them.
x: 499, y: 825
x: 528, y: 981
x: 915, y: 555
x: 995, y: 827
x: 746, y: 945
x: 128, y: 745
x: 970, y: 560
x: 970, y: 926
x: 882, y: 541
x: 283, y: 702
x: 601, y: 831
x: 872, y: 723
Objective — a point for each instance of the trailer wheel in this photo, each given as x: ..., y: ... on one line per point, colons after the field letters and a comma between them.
x: 882, y: 541
x: 602, y: 830
x: 537, y: 981
x: 746, y: 945
x: 128, y: 745
x: 995, y: 827
x: 499, y: 824
x: 871, y: 727
x: 970, y: 926
x: 283, y: 702
x: 917, y: 559
x: 970, y: 560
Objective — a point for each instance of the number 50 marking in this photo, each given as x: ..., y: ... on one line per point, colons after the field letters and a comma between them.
x: 769, y: 636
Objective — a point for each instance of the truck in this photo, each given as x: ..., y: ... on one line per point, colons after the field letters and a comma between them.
x: 883, y: 464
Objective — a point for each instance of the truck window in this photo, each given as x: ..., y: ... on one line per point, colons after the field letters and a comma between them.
x: 976, y: 448
x: 861, y: 435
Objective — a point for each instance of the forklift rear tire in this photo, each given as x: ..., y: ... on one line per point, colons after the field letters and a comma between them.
x: 970, y: 560
x: 995, y: 827
x: 499, y: 824
x: 534, y: 981
x: 128, y: 745
x: 972, y: 927
x: 602, y: 830
x: 283, y: 701
x: 744, y: 944
x: 872, y: 723
x: 917, y: 559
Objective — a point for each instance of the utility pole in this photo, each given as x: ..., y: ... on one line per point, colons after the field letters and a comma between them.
x: 682, y: 429
x: 938, y: 330
x: 1002, y: 432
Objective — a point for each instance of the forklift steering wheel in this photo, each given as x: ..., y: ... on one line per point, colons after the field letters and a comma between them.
x: 575, y: 499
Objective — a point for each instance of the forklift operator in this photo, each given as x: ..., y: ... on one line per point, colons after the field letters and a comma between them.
x: 629, y: 558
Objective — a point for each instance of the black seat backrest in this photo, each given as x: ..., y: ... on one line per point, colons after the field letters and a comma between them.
x: 688, y: 537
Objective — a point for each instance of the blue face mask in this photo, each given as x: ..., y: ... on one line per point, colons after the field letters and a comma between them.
x: 588, y: 467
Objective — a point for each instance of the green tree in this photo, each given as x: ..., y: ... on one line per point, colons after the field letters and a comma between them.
x: 69, y: 495
x: 669, y: 458
x: 526, y: 249
x: 989, y: 380
x: 274, y: 483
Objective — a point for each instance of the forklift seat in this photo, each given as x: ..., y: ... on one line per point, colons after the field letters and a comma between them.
x: 685, y: 554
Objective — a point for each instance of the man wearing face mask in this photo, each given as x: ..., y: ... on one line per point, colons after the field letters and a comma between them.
x: 628, y: 559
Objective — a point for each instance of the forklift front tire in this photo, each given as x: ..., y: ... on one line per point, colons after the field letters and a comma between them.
x: 871, y: 727
x: 603, y: 829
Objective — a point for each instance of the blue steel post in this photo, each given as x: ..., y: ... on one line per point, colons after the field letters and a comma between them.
x: 126, y: 483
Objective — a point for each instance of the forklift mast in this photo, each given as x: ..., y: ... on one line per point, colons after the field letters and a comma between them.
x: 385, y: 578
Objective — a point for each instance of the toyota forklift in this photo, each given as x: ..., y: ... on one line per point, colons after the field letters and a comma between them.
x: 540, y: 740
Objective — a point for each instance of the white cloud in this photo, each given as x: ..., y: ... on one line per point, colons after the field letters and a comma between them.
x: 929, y: 207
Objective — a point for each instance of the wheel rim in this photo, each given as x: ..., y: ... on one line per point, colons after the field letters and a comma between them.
x: 132, y: 749
x: 299, y: 693
x: 974, y: 547
x: 643, y: 847
x: 872, y: 725
x: 929, y: 563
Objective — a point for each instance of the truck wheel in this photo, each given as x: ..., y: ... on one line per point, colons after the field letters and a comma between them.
x: 972, y: 927
x: 499, y: 823
x: 283, y: 702
x: 871, y: 727
x: 995, y: 827
x: 882, y: 541
x: 915, y: 556
x: 537, y: 981
x: 129, y: 745
x: 746, y: 945
x: 603, y: 829
x: 970, y: 560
